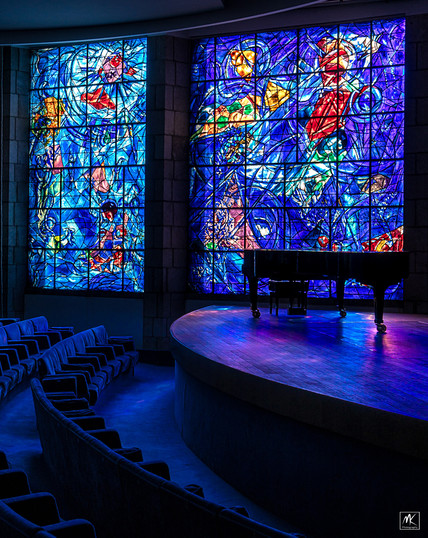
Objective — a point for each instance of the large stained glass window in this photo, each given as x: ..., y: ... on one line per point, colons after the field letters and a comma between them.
x: 87, y: 167
x: 297, y: 143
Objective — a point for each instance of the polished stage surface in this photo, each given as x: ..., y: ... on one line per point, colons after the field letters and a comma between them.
x: 332, y: 372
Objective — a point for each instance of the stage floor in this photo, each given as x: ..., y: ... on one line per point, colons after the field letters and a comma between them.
x: 323, y: 353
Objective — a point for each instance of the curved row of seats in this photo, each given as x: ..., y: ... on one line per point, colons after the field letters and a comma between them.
x: 21, y: 345
x: 24, y: 514
x: 91, y: 358
x: 119, y: 492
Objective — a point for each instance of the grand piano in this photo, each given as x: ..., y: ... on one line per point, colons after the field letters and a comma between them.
x: 379, y: 270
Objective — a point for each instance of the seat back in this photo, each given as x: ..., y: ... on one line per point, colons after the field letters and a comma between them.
x: 89, y: 338
x: 13, y: 525
x: 50, y: 362
x: 40, y: 324
x: 3, y: 337
x: 100, y: 334
x: 79, y: 342
x: 26, y: 327
x: 68, y: 347
x: 12, y: 331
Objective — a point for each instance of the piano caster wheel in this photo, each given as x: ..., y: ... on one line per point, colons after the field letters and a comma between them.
x: 343, y: 313
x: 381, y: 327
x: 256, y: 313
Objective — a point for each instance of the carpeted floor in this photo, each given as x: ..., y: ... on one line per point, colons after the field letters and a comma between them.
x: 141, y: 408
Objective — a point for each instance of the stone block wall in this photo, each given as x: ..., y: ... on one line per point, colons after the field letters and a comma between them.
x: 167, y: 187
x: 416, y: 164
x: 14, y: 95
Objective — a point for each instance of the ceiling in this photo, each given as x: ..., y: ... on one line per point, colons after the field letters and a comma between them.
x: 43, y: 14
x: 34, y: 22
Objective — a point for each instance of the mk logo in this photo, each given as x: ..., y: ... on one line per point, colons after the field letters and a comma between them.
x: 410, y: 521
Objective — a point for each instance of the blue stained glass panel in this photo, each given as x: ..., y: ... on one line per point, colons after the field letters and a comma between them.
x: 277, y: 53
x: 201, y: 272
x: 203, y: 60
x: 230, y: 264
x: 87, y: 156
x: 73, y: 63
x: 45, y: 68
x: 302, y: 132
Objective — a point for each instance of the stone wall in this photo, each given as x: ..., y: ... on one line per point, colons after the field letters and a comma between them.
x: 14, y: 181
x: 167, y: 187
x: 416, y: 164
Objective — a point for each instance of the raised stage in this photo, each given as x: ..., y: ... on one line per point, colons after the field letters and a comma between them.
x: 326, y: 391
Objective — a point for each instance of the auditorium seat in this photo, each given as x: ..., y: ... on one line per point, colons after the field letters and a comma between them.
x: 90, y: 423
x: 13, y: 483
x: 14, y: 336
x: 73, y: 407
x: 148, y: 500
x: 157, y: 467
x: 15, y: 374
x: 123, y: 347
x: 111, y: 438
x: 41, y: 326
x: 60, y: 387
x: 30, y: 515
x: 26, y: 515
x: 8, y: 377
x: 54, y: 361
x: 12, y: 367
x: 18, y: 352
x: 44, y: 339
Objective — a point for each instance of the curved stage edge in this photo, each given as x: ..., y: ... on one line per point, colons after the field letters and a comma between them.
x: 320, y: 419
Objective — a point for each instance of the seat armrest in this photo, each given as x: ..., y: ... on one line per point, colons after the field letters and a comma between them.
x: 107, y: 436
x: 81, y: 378
x: 58, y: 383
x: 85, y: 359
x: 157, y: 467
x: 15, y: 352
x: 60, y: 395
x: 106, y: 349
x: 90, y: 423
x: 30, y: 343
x: 70, y: 369
x: 126, y: 341
x: 70, y: 405
x: 41, y: 339
x: 53, y: 336
x: 84, y: 367
x: 100, y: 356
x: 132, y: 453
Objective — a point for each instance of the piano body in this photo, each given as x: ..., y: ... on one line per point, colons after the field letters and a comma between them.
x: 379, y: 270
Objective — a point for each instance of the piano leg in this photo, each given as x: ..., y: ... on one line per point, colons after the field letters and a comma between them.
x: 379, y: 296
x: 253, y: 296
x: 340, y: 296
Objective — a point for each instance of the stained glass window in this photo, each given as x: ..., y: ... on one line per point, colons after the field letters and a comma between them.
x: 296, y: 143
x: 87, y: 157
